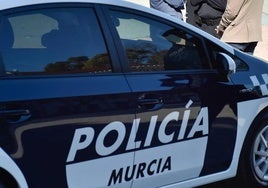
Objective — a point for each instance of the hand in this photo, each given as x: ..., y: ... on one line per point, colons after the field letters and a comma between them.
x: 218, y: 31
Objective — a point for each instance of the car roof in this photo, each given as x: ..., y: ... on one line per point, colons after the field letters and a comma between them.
x: 8, y: 4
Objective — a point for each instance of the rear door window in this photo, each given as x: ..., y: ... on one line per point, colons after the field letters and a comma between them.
x: 53, y: 41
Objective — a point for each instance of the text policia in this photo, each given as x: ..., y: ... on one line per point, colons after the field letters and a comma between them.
x: 87, y: 137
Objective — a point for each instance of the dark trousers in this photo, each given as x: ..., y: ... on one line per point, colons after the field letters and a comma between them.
x: 245, y: 47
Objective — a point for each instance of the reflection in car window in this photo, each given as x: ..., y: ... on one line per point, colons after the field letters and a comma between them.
x: 154, y: 46
x: 53, y: 41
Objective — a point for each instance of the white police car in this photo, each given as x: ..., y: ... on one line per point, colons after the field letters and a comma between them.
x: 112, y: 94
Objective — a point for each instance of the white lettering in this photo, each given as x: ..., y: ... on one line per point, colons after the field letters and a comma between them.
x: 117, y: 126
x: 150, y: 133
x: 201, y: 123
x: 163, y: 137
x: 131, y: 141
x: 185, y: 120
x: 107, y: 143
x: 77, y: 144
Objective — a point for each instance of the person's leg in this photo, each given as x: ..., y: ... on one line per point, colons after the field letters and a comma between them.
x: 239, y: 46
x: 251, y: 47
x: 245, y: 47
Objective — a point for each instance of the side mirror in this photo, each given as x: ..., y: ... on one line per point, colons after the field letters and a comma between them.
x: 225, y: 65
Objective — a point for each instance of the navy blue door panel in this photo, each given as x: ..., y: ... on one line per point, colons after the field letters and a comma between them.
x: 182, y: 116
x: 39, y: 118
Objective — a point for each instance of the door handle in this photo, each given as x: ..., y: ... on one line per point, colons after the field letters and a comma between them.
x: 15, y: 116
x: 150, y: 104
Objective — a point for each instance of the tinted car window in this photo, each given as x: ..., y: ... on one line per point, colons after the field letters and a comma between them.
x: 53, y: 41
x: 214, y: 49
x: 154, y: 46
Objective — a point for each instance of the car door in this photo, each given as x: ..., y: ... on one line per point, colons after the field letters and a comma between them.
x: 65, y: 110
x: 185, y: 118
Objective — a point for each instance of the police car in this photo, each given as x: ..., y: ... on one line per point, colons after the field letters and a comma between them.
x: 113, y: 94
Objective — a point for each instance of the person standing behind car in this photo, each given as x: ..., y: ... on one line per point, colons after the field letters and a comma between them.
x: 240, y: 25
x: 205, y: 14
x: 171, y: 7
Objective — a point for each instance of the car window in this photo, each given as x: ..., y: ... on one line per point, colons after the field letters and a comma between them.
x: 53, y: 41
x: 154, y: 46
x: 214, y: 49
